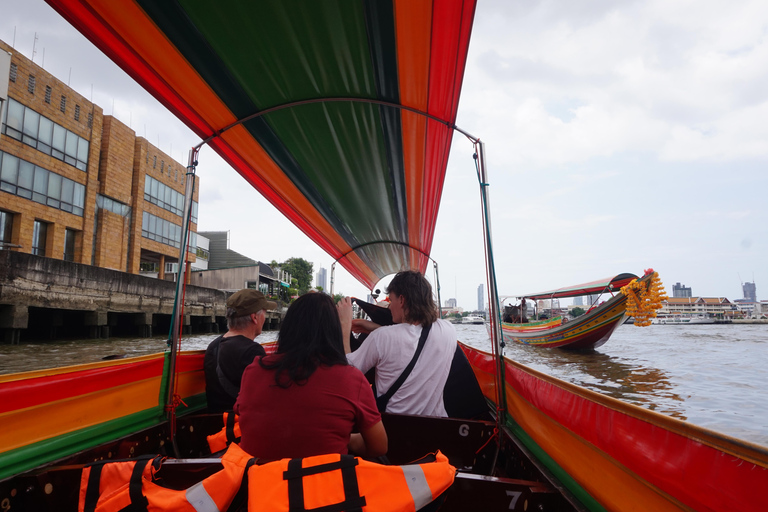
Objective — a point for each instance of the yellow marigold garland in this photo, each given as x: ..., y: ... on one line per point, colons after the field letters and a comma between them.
x: 643, y: 300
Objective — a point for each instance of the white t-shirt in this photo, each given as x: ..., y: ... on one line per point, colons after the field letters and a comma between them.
x: 389, y: 349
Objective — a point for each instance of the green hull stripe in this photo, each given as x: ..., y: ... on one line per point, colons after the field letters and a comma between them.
x: 577, y: 490
x: 38, y: 454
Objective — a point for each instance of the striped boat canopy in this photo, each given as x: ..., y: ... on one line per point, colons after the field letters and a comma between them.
x: 340, y: 112
x: 601, y: 285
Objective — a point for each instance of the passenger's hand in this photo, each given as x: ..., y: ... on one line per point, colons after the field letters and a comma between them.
x: 344, y: 307
x: 361, y: 326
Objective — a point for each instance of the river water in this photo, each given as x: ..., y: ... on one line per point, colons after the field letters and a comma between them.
x: 711, y: 375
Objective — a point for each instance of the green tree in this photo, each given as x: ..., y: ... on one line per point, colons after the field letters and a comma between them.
x: 337, y: 297
x: 577, y: 312
x: 301, y: 270
x: 319, y: 288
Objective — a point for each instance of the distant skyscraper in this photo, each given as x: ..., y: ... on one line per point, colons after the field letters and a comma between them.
x: 578, y: 301
x: 481, y: 298
x: 450, y: 303
x: 322, y: 279
x: 680, y: 290
x: 750, y: 291
x: 591, y: 300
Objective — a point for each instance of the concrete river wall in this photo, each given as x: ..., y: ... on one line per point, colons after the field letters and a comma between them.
x: 45, y: 298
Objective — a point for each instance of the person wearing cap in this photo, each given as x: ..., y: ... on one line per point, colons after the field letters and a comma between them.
x: 228, y: 355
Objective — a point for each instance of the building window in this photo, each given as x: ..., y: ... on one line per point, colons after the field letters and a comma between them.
x: 6, y: 228
x: 162, y: 166
x: 39, y: 235
x: 69, y: 244
x: 24, y: 124
x: 154, y: 162
x: 14, y: 72
x: 112, y: 205
x: 77, y: 112
x: 166, y: 198
x: 149, y: 266
x: 29, y: 181
x: 31, y: 84
x: 160, y: 230
x: 48, y: 92
x: 63, y: 104
x: 90, y: 120
x: 203, y: 254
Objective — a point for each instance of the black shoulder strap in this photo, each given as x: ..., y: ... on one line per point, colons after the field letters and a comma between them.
x: 383, y: 400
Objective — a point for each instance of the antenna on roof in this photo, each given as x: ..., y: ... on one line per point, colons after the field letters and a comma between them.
x: 34, y: 48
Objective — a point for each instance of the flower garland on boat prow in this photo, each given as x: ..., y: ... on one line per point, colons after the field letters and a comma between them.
x: 644, y: 298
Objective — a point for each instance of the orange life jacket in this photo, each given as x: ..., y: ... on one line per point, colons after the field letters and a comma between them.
x: 338, y: 482
x: 344, y: 482
x: 113, y: 486
x: 227, y: 435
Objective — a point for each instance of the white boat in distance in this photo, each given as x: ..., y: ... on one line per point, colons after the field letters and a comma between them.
x: 682, y: 320
x: 473, y: 319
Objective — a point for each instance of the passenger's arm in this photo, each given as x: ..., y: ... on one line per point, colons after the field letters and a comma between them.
x: 344, y: 307
x: 370, y: 442
x: 362, y: 326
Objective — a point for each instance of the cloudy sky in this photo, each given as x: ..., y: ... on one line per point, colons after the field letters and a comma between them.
x: 620, y: 136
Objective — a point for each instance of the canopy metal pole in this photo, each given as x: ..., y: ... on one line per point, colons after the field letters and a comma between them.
x: 437, y: 288
x: 493, y: 300
x: 178, y: 311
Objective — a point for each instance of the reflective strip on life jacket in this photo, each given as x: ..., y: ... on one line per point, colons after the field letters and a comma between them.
x: 341, y: 482
x: 227, y: 435
x: 114, y: 486
x: 417, y: 484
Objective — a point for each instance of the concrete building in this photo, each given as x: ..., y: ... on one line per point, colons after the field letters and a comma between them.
x: 79, y: 186
x: 450, y: 303
x: 680, y: 291
x: 750, y: 291
x: 231, y: 271
x: 321, y: 279
x: 481, y: 298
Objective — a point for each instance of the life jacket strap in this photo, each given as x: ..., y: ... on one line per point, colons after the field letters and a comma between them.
x: 92, y: 490
x: 353, y: 502
x: 139, y: 502
x: 230, y: 428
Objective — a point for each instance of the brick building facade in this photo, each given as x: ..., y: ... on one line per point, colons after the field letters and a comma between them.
x: 78, y: 185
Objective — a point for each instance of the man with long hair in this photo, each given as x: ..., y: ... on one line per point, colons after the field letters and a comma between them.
x: 390, y: 349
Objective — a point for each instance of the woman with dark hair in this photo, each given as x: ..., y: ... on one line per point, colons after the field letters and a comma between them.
x: 305, y: 399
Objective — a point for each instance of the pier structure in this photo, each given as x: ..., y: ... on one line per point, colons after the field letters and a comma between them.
x: 46, y: 298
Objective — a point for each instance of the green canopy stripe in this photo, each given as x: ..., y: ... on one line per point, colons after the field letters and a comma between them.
x: 380, y: 22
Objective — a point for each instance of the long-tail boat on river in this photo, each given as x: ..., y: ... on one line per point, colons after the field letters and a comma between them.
x: 595, y: 326
x: 341, y: 113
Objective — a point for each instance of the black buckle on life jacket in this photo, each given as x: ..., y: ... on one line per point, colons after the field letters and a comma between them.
x: 353, y: 502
